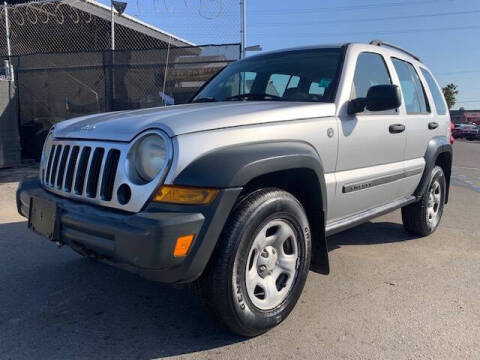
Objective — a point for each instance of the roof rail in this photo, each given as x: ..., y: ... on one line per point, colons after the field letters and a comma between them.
x: 383, y: 43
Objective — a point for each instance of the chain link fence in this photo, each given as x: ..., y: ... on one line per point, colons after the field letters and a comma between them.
x: 55, y: 87
x: 73, y: 25
x: 200, y: 21
x: 63, y: 65
x: 82, y: 25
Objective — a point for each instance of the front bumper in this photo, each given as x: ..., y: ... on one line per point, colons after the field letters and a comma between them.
x: 473, y: 136
x: 142, y: 242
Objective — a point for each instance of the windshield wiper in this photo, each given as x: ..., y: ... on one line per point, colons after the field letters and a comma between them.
x: 255, y: 97
x: 204, y: 100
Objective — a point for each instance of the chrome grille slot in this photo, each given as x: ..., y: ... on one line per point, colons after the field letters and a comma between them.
x: 108, y: 177
x: 49, y: 166
x: 82, y: 170
x: 56, y: 158
x: 72, y: 163
x: 94, y: 172
x: 61, y: 167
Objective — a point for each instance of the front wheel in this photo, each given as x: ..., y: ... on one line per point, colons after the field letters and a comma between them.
x: 423, y: 217
x: 259, y: 270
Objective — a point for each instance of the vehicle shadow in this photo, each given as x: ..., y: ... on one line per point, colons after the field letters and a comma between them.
x: 20, y: 173
x: 370, y: 233
x: 56, y: 304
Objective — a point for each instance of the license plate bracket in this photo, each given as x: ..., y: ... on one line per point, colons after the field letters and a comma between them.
x: 43, y: 218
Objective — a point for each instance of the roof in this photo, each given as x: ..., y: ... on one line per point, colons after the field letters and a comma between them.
x: 103, y: 11
x: 299, y: 48
x: 374, y: 45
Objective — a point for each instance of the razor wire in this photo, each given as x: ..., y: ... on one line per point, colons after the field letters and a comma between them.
x: 43, y: 26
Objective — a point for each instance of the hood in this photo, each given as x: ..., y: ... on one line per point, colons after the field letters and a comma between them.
x: 182, y: 119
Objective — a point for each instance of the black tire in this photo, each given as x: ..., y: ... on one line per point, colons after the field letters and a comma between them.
x: 415, y: 215
x: 223, y: 285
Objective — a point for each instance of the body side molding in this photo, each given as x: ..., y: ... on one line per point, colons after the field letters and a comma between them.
x: 379, y: 181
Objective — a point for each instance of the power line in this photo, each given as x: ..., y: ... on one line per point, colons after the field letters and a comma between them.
x: 367, y: 19
x: 343, y: 20
x: 458, y: 72
x: 378, y: 32
x: 355, y: 7
x: 335, y: 8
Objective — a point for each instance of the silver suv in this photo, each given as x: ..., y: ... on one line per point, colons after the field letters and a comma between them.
x: 239, y: 190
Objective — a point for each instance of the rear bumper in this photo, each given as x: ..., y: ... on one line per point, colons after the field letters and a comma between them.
x: 143, y: 242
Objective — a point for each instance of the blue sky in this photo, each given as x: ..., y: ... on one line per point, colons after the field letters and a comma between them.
x: 445, y: 34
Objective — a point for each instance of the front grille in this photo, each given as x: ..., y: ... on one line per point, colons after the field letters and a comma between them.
x: 81, y: 170
x: 99, y: 172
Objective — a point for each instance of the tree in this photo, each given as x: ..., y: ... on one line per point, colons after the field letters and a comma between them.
x: 450, y: 92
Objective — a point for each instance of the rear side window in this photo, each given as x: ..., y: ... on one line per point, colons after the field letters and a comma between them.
x: 435, y: 91
x: 412, y: 89
x: 371, y: 70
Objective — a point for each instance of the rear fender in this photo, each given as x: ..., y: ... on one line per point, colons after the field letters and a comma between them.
x: 436, y: 147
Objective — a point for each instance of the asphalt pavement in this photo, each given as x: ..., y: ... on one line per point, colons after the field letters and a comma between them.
x: 389, y: 295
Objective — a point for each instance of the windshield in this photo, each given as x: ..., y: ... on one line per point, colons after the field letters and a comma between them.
x: 299, y: 75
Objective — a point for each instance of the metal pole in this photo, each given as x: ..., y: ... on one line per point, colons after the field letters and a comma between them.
x: 243, y: 29
x: 8, y: 66
x: 7, y: 29
x: 165, y: 74
x: 112, y: 21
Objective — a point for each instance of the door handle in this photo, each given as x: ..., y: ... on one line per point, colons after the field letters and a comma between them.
x: 396, y: 128
x: 432, y: 125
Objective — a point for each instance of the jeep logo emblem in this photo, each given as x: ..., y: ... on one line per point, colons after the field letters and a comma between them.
x: 87, y: 127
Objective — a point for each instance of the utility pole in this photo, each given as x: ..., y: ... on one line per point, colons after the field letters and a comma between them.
x: 7, y: 29
x: 243, y: 28
x: 8, y: 67
x: 112, y: 22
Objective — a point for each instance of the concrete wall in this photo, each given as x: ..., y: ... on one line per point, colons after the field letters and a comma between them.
x: 9, y: 136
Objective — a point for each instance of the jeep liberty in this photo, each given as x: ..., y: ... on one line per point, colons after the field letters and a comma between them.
x: 238, y: 191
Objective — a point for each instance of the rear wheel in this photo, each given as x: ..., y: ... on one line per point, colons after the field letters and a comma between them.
x: 422, y: 218
x: 259, y: 270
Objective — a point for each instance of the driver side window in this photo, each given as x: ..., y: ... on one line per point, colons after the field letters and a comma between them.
x: 370, y: 70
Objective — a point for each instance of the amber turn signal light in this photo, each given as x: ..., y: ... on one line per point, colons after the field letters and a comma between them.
x: 183, y: 245
x: 185, y: 195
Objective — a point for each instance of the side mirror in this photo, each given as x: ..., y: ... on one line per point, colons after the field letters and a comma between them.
x: 379, y: 98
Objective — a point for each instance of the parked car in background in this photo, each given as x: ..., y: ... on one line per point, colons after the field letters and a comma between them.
x: 473, y: 134
x: 465, y: 131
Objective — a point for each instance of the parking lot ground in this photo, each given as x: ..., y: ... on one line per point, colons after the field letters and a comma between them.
x: 389, y: 295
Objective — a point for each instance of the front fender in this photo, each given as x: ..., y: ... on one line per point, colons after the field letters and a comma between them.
x: 237, y: 165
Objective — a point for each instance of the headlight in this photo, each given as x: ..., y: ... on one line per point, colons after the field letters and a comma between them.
x: 149, y: 156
